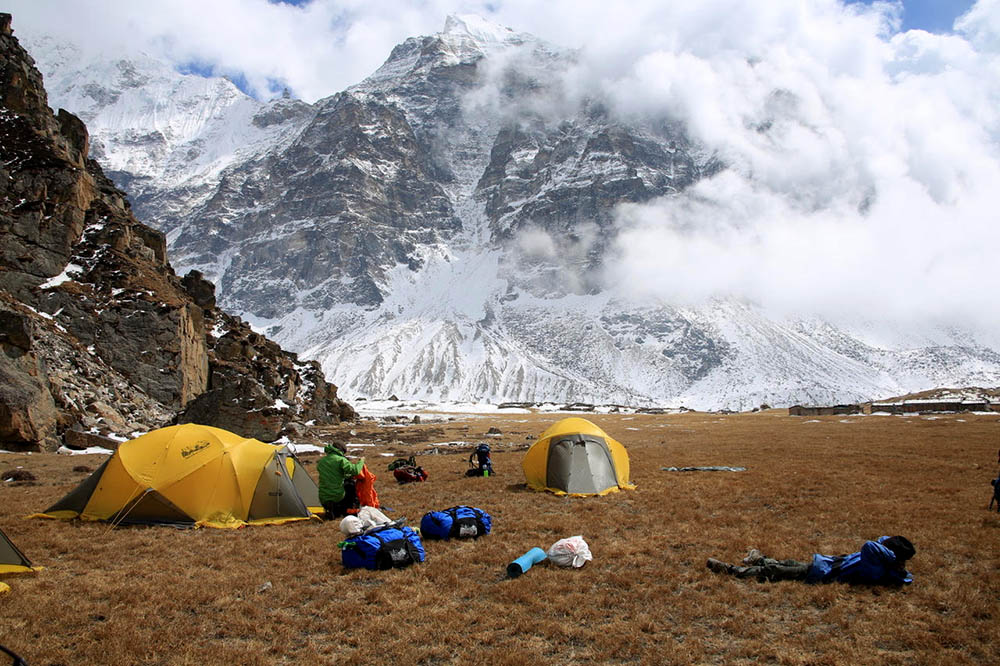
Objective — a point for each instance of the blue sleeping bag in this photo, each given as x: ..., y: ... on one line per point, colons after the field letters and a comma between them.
x: 392, y: 546
x: 461, y: 522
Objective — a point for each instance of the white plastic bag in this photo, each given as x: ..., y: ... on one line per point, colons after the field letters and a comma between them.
x: 572, y: 551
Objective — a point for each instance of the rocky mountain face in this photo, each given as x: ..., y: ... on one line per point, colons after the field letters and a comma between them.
x: 441, y: 229
x: 98, y: 333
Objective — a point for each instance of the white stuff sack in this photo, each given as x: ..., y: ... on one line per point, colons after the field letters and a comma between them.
x: 372, y: 517
x: 351, y: 525
x: 570, y: 552
x: 367, y: 518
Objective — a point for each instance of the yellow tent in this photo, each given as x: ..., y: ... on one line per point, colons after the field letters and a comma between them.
x: 12, y: 560
x: 193, y: 474
x: 575, y: 457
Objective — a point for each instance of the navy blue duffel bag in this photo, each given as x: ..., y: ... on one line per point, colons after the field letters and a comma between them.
x: 461, y: 522
x: 392, y: 546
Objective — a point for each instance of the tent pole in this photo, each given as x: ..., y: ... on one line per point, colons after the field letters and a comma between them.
x: 116, y: 521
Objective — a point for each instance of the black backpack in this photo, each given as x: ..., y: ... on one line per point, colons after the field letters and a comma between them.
x: 479, y: 461
x: 481, y: 454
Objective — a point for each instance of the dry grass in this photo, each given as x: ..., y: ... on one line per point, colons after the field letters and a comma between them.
x: 165, y: 596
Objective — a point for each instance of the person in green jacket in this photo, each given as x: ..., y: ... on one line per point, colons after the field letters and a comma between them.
x: 336, y: 481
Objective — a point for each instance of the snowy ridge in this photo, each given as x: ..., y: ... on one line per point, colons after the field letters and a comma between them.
x: 159, y: 127
x: 465, y: 39
x: 537, y: 350
x: 479, y: 30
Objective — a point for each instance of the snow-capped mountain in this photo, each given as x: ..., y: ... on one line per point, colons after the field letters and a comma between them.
x: 158, y: 132
x: 441, y: 230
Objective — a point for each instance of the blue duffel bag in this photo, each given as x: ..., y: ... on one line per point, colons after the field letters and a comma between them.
x: 461, y: 522
x: 392, y: 546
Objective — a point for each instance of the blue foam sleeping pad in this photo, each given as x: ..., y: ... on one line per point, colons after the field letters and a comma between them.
x: 523, y: 563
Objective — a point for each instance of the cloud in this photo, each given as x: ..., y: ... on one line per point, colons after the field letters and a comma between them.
x: 981, y: 25
x: 536, y: 244
x: 316, y: 49
x: 863, y: 162
x: 865, y: 187
x: 550, y: 264
x: 323, y: 46
x: 908, y: 259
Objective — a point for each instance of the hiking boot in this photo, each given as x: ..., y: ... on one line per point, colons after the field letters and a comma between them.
x: 718, y: 567
x: 753, y: 557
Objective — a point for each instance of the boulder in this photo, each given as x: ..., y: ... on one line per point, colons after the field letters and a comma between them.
x: 27, y: 412
x: 239, y: 406
x: 80, y: 440
x: 200, y: 289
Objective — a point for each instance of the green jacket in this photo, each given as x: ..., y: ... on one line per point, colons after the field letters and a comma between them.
x: 333, y: 468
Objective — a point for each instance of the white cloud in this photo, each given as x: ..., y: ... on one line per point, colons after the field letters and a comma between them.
x: 867, y: 187
x: 317, y: 49
x: 536, y: 244
x: 908, y: 259
x: 864, y: 162
x: 981, y: 24
x: 556, y: 263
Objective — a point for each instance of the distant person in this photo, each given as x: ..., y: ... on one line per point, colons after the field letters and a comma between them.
x: 878, y: 562
x: 337, y: 493
x: 483, y: 465
x: 996, y: 494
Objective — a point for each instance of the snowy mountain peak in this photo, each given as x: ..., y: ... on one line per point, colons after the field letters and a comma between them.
x: 465, y: 40
x: 479, y: 29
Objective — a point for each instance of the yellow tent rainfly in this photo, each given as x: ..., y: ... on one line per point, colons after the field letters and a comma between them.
x: 12, y: 560
x: 575, y: 457
x: 193, y: 475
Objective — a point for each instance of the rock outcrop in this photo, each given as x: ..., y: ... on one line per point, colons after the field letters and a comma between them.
x: 97, y: 332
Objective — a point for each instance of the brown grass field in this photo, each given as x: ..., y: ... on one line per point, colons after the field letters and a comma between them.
x: 166, y: 596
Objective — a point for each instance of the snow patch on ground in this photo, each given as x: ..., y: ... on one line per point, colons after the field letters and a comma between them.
x: 89, y: 451
x: 68, y: 273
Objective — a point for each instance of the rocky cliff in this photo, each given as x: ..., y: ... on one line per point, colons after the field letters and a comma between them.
x: 97, y: 332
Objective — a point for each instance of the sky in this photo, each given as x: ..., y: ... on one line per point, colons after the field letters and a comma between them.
x: 930, y: 15
x: 862, y: 138
x: 318, y: 47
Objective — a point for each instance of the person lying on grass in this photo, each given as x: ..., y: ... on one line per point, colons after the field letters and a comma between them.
x: 878, y: 562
